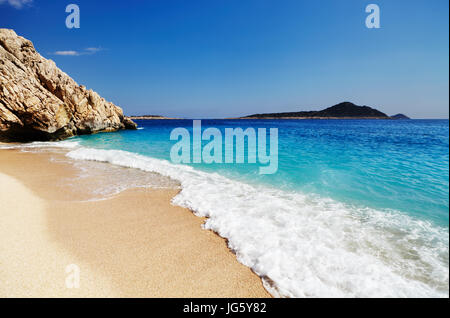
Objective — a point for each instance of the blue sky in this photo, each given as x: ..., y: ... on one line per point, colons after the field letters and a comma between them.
x: 220, y: 58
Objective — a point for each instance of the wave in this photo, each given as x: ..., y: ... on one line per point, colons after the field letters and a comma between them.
x: 41, y: 144
x: 304, y: 245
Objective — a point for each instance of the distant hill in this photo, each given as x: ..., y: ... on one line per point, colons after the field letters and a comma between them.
x: 340, y: 111
x: 149, y: 117
x: 400, y: 116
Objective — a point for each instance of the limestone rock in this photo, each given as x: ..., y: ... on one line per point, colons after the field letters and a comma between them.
x: 38, y: 101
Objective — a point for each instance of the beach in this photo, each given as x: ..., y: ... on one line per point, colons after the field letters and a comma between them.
x: 137, y: 224
x: 131, y: 244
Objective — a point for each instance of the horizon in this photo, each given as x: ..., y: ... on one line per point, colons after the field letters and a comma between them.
x: 222, y: 59
x: 243, y: 116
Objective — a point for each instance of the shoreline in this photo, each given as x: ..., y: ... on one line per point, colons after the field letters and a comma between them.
x: 131, y: 244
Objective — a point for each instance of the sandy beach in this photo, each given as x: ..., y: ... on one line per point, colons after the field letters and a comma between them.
x: 133, y: 244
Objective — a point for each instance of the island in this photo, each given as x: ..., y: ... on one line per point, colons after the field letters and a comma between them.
x: 149, y: 117
x: 400, y: 116
x: 344, y: 110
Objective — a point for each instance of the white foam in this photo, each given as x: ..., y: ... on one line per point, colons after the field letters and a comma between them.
x: 69, y: 144
x: 307, y: 246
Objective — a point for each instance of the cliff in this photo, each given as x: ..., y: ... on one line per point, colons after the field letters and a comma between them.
x: 40, y: 102
x: 341, y: 110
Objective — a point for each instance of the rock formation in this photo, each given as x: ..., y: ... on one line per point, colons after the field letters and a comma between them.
x: 40, y: 102
x: 342, y: 110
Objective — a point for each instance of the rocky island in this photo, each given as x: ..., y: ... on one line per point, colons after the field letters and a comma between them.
x: 150, y: 117
x: 400, y: 116
x: 38, y: 101
x: 344, y: 110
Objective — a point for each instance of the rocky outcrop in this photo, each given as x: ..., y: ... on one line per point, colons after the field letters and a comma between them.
x: 40, y: 102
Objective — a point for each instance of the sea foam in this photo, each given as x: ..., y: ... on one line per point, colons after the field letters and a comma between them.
x: 41, y: 144
x: 302, y: 245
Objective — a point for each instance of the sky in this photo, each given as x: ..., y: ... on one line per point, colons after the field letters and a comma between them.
x: 227, y: 58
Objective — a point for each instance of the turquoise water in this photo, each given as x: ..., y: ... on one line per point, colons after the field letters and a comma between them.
x: 384, y: 164
x: 357, y: 208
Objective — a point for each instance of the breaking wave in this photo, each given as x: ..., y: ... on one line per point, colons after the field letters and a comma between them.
x: 303, y: 245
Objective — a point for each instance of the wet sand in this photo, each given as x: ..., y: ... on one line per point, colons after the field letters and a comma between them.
x: 133, y: 244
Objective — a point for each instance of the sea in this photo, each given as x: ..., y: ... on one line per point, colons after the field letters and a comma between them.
x: 357, y: 208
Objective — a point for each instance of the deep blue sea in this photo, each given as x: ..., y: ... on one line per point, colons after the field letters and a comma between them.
x: 357, y: 207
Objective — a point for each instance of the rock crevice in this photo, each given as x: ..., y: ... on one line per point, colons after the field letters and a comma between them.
x: 38, y: 101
